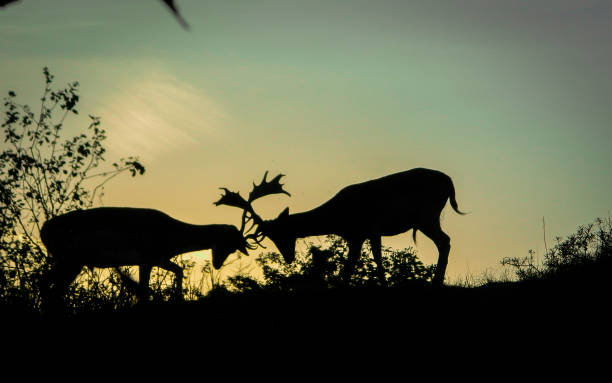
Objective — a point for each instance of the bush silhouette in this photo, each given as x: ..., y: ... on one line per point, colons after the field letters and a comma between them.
x: 320, y: 267
x: 583, y: 255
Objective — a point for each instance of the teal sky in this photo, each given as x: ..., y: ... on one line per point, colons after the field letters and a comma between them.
x: 510, y: 98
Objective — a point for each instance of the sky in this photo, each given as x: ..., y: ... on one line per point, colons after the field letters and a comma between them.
x: 510, y: 98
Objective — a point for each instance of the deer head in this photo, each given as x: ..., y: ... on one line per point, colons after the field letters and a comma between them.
x: 253, y: 227
x: 229, y: 241
x: 281, y: 232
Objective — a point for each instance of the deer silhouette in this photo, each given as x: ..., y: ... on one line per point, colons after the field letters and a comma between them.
x: 386, y: 206
x: 119, y: 236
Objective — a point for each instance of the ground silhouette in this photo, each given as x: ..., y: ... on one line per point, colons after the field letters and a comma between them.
x: 528, y: 311
x: 509, y: 322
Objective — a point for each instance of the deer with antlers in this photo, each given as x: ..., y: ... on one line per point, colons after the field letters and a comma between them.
x: 119, y: 236
x: 386, y: 206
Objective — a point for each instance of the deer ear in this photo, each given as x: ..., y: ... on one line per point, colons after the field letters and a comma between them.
x: 284, y: 213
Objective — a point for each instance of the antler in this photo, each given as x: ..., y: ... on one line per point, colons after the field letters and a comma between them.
x: 265, y: 188
x: 231, y: 198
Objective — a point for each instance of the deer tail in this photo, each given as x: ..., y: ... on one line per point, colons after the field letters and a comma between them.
x: 451, y: 196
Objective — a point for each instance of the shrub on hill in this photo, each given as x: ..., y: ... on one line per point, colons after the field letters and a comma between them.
x: 587, y: 253
x: 321, y: 267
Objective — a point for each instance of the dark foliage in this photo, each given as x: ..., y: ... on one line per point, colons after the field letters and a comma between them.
x: 169, y: 3
x: 585, y: 254
x: 321, y: 268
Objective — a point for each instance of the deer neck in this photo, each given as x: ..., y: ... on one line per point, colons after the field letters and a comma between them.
x: 318, y: 221
x: 189, y: 237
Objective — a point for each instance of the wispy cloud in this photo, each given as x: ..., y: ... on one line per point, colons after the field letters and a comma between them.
x: 158, y: 115
x: 145, y: 109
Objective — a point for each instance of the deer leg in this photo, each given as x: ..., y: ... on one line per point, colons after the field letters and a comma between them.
x: 352, y: 257
x: 376, y: 245
x: 319, y: 261
x: 57, y: 281
x: 144, y: 276
x: 442, y: 241
x: 65, y: 275
x: 178, y: 272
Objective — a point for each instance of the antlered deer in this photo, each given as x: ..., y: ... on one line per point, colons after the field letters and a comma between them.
x: 119, y: 236
x: 386, y: 206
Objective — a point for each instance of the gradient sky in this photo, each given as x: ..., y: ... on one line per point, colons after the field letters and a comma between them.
x: 510, y: 98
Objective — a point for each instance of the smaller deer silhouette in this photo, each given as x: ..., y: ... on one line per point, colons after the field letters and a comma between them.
x: 119, y: 236
x: 386, y: 206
